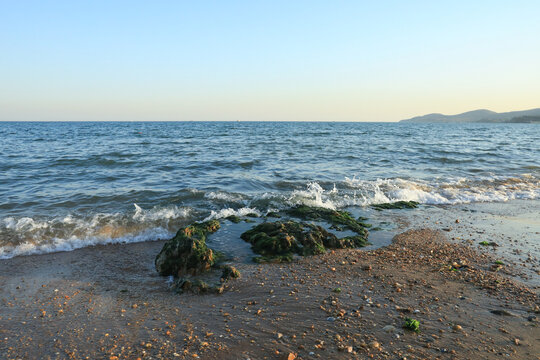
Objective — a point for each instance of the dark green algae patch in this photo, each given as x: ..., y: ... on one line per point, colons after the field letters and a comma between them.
x: 186, y: 253
x: 337, y: 219
x: 195, y: 266
x: 187, y: 258
x: 396, y: 205
x: 279, y: 241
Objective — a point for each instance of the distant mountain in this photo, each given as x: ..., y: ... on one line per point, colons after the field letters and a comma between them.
x: 525, y: 116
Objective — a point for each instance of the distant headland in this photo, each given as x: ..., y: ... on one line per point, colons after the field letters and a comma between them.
x: 482, y: 116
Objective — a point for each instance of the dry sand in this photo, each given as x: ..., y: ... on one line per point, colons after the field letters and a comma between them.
x: 107, y: 302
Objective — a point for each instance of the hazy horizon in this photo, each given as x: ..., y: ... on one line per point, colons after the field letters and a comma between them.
x: 279, y: 61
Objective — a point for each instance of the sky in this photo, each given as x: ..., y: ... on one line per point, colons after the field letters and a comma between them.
x: 265, y: 60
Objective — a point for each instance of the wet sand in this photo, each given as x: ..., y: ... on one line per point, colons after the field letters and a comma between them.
x: 107, y: 302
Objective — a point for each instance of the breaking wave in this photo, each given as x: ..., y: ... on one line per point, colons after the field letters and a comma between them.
x: 36, y: 235
x: 25, y: 235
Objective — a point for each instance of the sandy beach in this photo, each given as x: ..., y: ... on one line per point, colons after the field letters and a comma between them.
x: 108, y: 302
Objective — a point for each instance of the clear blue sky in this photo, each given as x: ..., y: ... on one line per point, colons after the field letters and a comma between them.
x: 265, y: 60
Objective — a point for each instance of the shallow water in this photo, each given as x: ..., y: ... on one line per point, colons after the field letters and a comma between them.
x: 69, y: 185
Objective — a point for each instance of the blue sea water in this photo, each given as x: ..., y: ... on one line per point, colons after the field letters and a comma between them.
x: 65, y: 185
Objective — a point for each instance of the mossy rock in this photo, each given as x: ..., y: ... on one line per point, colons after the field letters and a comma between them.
x: 187, y: 253
x: 229, y: 272
x: 273, y: 214
x: 233, y: 218
x: 349, y: 242
x: 337, y: 219
x: 276, y: 259
x: 278, y: 241
x: 396, y: 205
x: 197, y: 286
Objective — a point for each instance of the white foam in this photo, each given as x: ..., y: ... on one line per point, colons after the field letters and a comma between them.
x: 24, y: 224
x: 36, y: 236
x: 160, y: 213
x: 314, y: 195
x: 73, y: 243
x: 452, y: 191
x: 223, y: 213
x: 221, y: 195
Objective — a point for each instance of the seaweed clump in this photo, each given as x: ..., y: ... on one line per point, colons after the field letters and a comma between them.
x: 334, y: 217
x: 186, y: 257
x: 279, y: 241
x: 396, y: 205
x: 412, y: 324
x: 186, y: 253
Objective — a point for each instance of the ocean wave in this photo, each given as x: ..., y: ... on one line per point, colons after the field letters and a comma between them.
x: 25, y: 235
x: 438, y: 192
x: 73, y: 243
x: 224, y: 196
x: 223, y: 213
x: 34, y: 235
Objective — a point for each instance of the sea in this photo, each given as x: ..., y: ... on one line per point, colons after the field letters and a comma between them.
x: 67, y: 185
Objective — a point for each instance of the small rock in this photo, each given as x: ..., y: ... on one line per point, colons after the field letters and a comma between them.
x: 502, y: 312
x: 389, y: 329
x: 289, y: 356
x: 375, y: 345
x: 457, y: 328
x: 517, y: 341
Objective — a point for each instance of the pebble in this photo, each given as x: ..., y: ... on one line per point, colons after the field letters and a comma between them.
x: 389, y: 329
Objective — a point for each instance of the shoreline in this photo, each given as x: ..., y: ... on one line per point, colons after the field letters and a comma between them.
x: 109, y: 302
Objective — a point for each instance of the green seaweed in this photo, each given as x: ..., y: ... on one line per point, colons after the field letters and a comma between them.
x: 229, y: 272
x: 197, y: 286
x: 488, y: 243
x: 276, y: 259
x: 411, y: 324
x: 186, y: 252
x: 278, y: 241
x: 395, y: 205
x: 337, y: 219
x: 233, y: 218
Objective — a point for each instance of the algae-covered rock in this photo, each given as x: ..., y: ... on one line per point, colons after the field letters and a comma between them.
x: 197, y: 286
x: 276, y: 259
x: 229, y: 272
x: 396, y: 205
x: 187, y: 252
x: 273, y: 238
x: 233, y: 218
x: 337, y: 219
x: 278, y: 241
x: 349, y: 242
